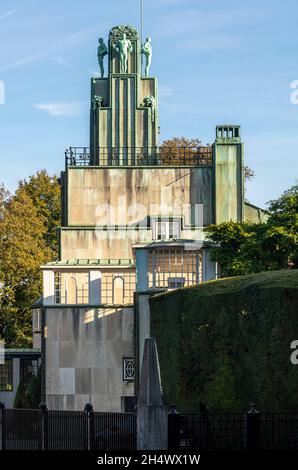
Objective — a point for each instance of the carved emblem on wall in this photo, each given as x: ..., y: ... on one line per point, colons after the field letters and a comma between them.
x: 118, y: 31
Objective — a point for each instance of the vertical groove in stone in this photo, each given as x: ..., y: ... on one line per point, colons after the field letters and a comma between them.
x: 133, y: 113
x: 125, y: 118
x: 128, y: 115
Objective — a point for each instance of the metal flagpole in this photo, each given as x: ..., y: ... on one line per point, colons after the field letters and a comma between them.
x: 142, y: 27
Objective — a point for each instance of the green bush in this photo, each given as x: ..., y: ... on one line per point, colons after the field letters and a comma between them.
x: 226, y: 343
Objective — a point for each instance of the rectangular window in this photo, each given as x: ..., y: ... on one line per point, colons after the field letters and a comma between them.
x: 170, y: 268
x: 174, y: 229
x: 166, y: 230
x: 176, y: 282
x: 118, y: 287
x: 28, y: 367
x: 57, y: 278
x: 6, y: 376
x: 37, y: 321
x: 71, y: 287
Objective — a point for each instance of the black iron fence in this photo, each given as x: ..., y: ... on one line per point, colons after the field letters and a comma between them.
x: 233, y: 431
x: 139, y: 156
x: 45, y: 429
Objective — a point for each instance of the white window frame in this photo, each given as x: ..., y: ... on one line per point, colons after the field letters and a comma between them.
x: 165, y: 229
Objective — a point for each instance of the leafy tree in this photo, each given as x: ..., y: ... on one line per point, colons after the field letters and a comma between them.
x: 180, y: 142
x: 244, y: 248
x: 4, y: 196
x: 283, y: 212
x: 26, y: 242
x: 44, y: 190
x: 249, y: 174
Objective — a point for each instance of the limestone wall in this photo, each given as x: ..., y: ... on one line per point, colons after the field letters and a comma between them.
x: 84, y: 352
x: 91, y: 188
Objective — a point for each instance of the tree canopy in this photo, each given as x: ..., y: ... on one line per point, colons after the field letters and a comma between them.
x: 245, y: 248
x: 28, y: 222
x: 192, y: 143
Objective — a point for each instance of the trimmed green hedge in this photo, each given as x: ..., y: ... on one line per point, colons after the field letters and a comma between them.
x: 226, y: 343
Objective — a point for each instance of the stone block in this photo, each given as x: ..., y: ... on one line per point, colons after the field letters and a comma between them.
x: 66, y: 384
x: 82, y: 381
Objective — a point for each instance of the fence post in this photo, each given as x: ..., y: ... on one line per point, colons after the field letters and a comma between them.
x: 89, y: 426
x: 44, y: 425
x: 252, y: 428
x: 3, y: 426
x: 173, y: 429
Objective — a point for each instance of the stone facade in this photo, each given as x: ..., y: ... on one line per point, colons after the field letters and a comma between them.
x: 132, y: 220
x: 84, y: 354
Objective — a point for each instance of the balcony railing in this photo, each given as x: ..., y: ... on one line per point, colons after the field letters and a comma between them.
x: 139, y: 156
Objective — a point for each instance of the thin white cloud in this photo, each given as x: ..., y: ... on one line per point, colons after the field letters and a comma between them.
x: 23, y: 61
x: 8, y: 13
x: 64, y: 62
x: 61, y: 108
x: 69, y: 41
x: 76, y: 38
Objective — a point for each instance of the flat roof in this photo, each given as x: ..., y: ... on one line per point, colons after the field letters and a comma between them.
x: 22, y: 352
x: 92, y: 262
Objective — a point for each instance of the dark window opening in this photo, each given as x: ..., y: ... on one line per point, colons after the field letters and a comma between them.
x: 6, y: 376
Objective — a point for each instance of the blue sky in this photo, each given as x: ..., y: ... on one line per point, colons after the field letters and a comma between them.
x: 217, y: 61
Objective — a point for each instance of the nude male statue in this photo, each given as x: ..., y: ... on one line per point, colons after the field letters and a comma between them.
x: 147, y: 51
x: 123, y: 47
x: 101, y: 53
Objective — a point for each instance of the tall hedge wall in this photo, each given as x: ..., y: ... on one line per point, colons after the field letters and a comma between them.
x: 226, y: 343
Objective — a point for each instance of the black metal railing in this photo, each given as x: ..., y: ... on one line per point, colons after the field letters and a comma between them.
x: 114, y: 431
x: 139, y: 156
x: 45, y: 429
x: 233, y: 431
x: 88, y: 430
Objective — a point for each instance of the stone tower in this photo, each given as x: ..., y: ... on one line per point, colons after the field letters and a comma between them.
x: 124, y: 118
